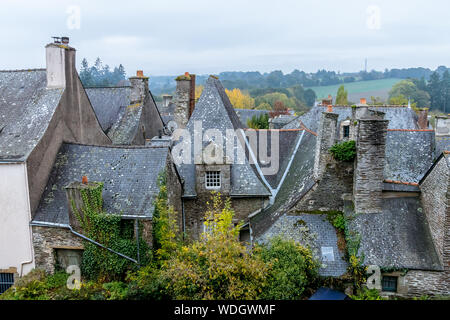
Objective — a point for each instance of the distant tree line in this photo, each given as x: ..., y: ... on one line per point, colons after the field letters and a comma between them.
x: 434, y: 93
x: 277, y: 79
x: 100, y: 75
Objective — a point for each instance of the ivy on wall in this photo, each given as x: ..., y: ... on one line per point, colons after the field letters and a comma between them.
x: 109, y: 230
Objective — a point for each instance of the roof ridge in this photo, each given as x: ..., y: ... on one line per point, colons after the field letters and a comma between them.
x: 412, y: 130
x: 24, y: 70
x: 106, y: 87
x: 115, y: 146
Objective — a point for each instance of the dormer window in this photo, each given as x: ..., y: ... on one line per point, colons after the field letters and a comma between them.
x: 212, y: 180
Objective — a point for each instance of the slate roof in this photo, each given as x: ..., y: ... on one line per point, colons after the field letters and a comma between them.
x: 109, y: 104
x: 285, y: 140
x: 409, y: 154
x: 281, y: 120
x: 215, y: 111
x: 298, y: 180
x: 442, y: 144
x: 246, y: 114
x: 126, y: 128
x: 319, y: 233
x: 399, y: 117
x: 398, y: 237
x: 129, y: 175
x: 26, y: 108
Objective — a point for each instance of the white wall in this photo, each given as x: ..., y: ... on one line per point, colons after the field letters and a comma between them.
x: 15, y: 216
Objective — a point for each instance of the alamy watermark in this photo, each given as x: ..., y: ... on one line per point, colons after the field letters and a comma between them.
x: 373, y: 21
x: 73, y: 21
x: 229, y: 146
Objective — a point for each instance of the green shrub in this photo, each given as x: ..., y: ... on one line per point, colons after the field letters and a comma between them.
x: 292, y: 269
x: 259, y: 121
x: 217, y: 266
x: 345, y: 151
x: 366, y: 294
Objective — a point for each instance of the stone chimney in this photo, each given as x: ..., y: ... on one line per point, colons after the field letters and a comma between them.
x: 369, y: 164
x: 326, y: 138
x: 60, y: 63
x: 442, y: 126
x: 139, y: 88
x: 423, y: 119
x: 184, y: 99
x: 75, y: 203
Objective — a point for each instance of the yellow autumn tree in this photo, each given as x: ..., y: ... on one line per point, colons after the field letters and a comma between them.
x: 198, y: 92
x: 240, y: 100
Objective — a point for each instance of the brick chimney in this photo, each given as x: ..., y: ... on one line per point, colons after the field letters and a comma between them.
x: 370, y: 161
x: 326, y: 138
x: 139, y: 88
x: 184, y: 99
x: 60, y: 62
x: 423, y: 119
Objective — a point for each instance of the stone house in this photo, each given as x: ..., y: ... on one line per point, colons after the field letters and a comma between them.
x: 51, y: 136
x: 389, y: 195
x: 127, y: 114
x: 206, y: 154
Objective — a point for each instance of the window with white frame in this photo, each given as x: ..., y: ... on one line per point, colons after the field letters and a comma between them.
x: 212, y: 180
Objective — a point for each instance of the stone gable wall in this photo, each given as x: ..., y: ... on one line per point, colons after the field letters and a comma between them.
x: 46, y: 240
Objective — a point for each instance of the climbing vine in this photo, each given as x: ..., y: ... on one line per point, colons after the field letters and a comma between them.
x: 111, y: 231
x: 165, y: 229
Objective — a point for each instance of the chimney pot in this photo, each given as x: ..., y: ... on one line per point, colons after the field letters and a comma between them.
x: 362, y: 101
x: 84, y: 180
x: 186, y: 74
x: 330, y: 108
x: 139, y: 73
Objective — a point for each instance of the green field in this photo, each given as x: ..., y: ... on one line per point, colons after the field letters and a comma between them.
x: 359, y: 89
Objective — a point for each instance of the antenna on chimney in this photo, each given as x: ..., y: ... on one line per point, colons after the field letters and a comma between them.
x: 56, y: 40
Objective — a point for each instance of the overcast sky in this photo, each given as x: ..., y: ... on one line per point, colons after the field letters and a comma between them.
x: 168, y: 37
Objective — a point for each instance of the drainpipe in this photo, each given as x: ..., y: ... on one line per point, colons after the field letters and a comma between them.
x: 136, y: 227
x: 44, y: 224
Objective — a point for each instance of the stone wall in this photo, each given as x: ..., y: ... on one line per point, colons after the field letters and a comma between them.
x: 195, y: 211
x: 174, y: 190
x: 326, y: 195
x: 369, y: 165
x: 46, y: 240
x: 326, y: 138
x: 182, y: 101
x: 421, y: 283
